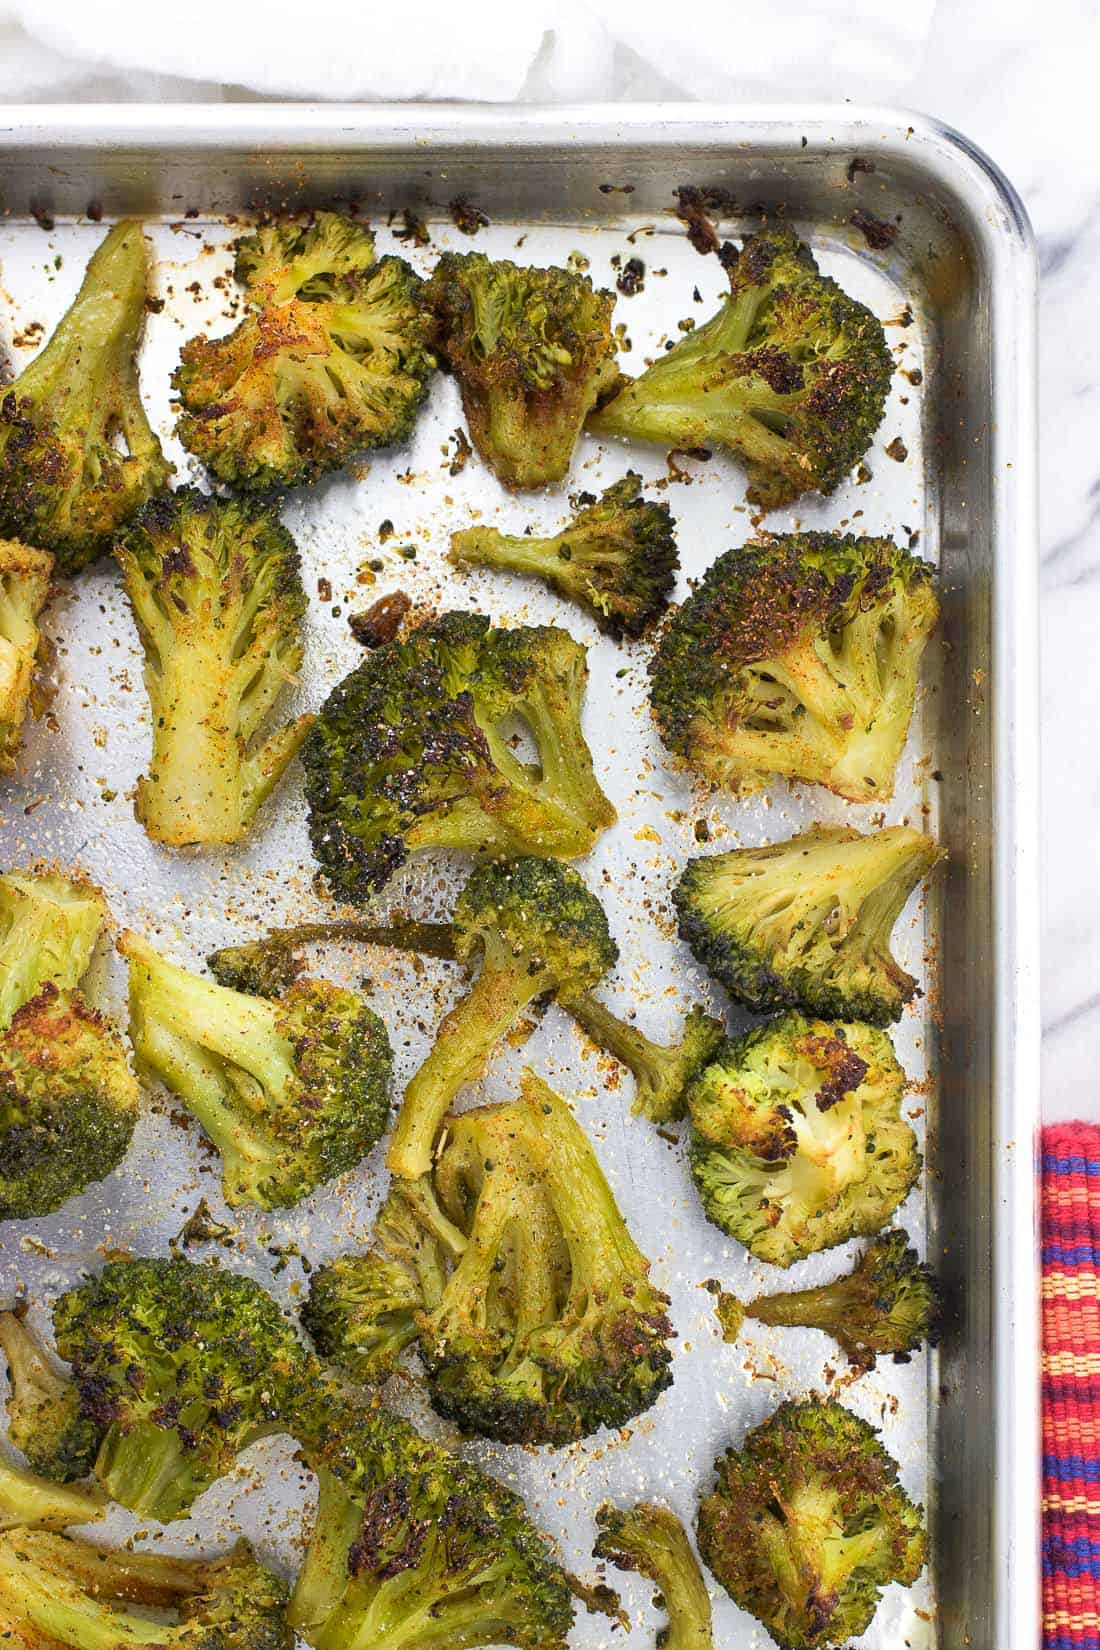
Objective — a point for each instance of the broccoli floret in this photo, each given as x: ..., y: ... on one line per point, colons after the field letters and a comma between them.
x: 532, y: 350
x: 292, y: 1092
x: 791, y: 374
x: 49, y: 925
x: 55, y: 1591
x: 333, y: 358
x: 797, y: 658
x: 537, y: 932
x: 808, y: 1523
x: 415, y: 750
x: 662, y: 1074
x: 68, y: 1103
x: 25, y: 577
x: 77, y: 454
x: 28, y: 1501
x: 412, y: 1546
x: 798, y: 1142
x: 269, y: 966
x: 216, y: 591
x: 888, y: 1303
x: 652, y: 1541
x: 182, y: 1366
x: 44, y: 1417
x: 616, y: 558
x: 806, y: 923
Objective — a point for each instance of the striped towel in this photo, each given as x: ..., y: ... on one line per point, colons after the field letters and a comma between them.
x: 1071, y: 1386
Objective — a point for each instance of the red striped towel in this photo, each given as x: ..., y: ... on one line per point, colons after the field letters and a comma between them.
x: 1071, y: 1386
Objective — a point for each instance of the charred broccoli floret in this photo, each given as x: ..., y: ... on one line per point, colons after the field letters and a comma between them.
x: 616, y: 558
x: 652, y: 1541
x: 182, y: 1367
x: 333, y: 358
x: 77, y: 454
x: 537, y: 932
x: 414, y: 750
x: 530, y: 1301
x: 806, y: 923
x: 662, y: 1073
x: 888, y: 1303
x: 798, y: 1142
x: 292, y: 1092
x: 412, y: 1546
x: 44, y: 1416
x: 28, y: 1501
x: 49, y: 924
x: 25, y: 576
x: 55, y: 1591
x: 791, y: 374
x: 532, y: 350
x: 808, y: 1523
x: 216, y: 591
x: 797, y: 658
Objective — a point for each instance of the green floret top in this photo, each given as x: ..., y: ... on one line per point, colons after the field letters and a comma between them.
x: 316, y: 261
x: 539, y: 914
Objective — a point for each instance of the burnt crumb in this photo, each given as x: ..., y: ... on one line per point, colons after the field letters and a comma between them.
x: 201, y: 1227
x: 856, y: 165
x: 914, y: 375
x: 617, y: 188
x: 411, y: 229
x: 154, y: 306
x: 94, y: 211
x: 701, y: 831
x: 385, y: 530
x: 897, y: 450
x: 695, y: 207
x: 878, y: 235
x: 380, y: 622
x: 466, y: 217
x: 631, y: 278
x: 42, y: 216
x: 324, y: 589
x: 462, y: 454
x: 864, y: 475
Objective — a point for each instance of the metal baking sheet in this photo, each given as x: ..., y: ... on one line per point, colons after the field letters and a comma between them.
x: 955, y: 290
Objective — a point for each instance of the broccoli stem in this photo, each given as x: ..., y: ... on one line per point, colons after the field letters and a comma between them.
x: 27, y: 1500
x: 661, y: 1072
x: 65, y: 1614
x: 323, y: 1578
x: 514, y: 552
x: 146, y: 1469
x: 823, y: 1307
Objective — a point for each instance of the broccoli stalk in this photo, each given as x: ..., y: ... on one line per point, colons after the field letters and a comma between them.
x: 269, y: 966
x: 25, y: 577
x: 44, y: 1418
x: 652, y: 1541
x: 77, y: 454
x: 888, y: 1303
x: 216, y: 591
x: 30, y: 1502
x: 662, y: 1075
x: 68, y: 1593
x: 49, y: 925
x: 791, y: 374
x: 292, y: 1093
x: 616, y: 558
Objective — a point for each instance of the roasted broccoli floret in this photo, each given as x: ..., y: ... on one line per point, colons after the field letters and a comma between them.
x: 182, y: 1367
x: 616, y: 558
x: 652, y: 1541
x: 77, y: 454
x: 49, y: 925
x: 791, y: 374
x: 888, y: 1303
x: 56, y: 1592
x: 532, y: 350
x: 797, y: 658
x: 808, y: 1523
x: 333, y: 358
x: 806, y: 923
x: 25, y: 576
x: 530, y: 1301
x: 292, y: 1092
x: 415, y: 750
x: 537, y: 932
x: 44, y: 1416
x: 798, y: 1142
x: 28, y: 1501
x: 216, y: 591
x: 662, y: 1073
x: 412, y: 1546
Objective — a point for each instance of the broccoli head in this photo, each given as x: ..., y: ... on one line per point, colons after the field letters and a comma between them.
x: 537, y: 933
x: 77, y: 454
x: 532, y: 350
x: 332, y: 358
x: 25, y: 576
x: 791, y: 374
x: 806, y: 923
x: 415, y: 749
x: 888, y: 1303
x: 798, y: 1142
x: 56, y: 1591
x: 216, y: 591
x: 28, y: 1501
x: 616, y: 558
x: 292, y: 1092
x: 797, y: 658
x: 182, y: 1367
x: 662, y: 1074
x: 652, y: 1541
x: 44, y: 1416
x: 49, y: 924
x: 808, y: 1523
x: 68, y: 1103
x: 412, y: 1546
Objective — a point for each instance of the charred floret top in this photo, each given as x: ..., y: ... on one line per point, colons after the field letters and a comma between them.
x: 533, y: 912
